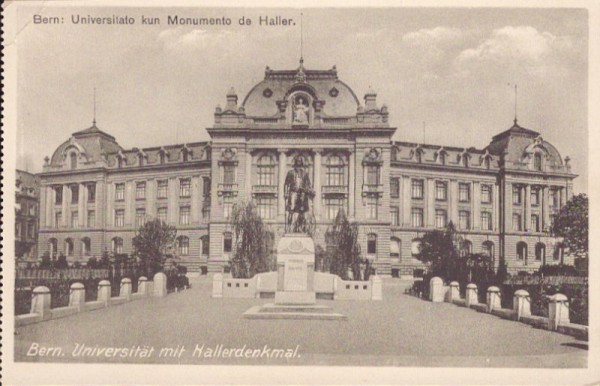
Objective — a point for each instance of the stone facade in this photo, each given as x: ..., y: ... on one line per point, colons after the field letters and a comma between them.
x: 502, y: 197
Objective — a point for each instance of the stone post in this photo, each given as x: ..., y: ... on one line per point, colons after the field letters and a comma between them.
x: 160, y: 285
x: 493, y: 299
x: 217, y: 289
x: 558, y: 311
x: 143, y: 285
x: 522, y: 303
x: 104, y: 292
x: 471, y: 295
x: 436, y: 290
x: 453, y: 292
x: 77, y: 296
x: 40, y: 302
x: 376, y: 288
x: 125, y: 290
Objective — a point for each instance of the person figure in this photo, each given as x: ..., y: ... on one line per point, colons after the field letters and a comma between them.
x: 300, y: 111
x: 297, y: 193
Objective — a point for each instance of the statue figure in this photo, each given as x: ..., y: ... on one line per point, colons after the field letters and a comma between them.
x: 300, y: 113
x: 297, y: 193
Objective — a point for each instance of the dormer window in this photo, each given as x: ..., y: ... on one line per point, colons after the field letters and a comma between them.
x: 537, y: 161
x: 73, y: 159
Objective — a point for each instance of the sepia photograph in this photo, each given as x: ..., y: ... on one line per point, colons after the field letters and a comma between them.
x: 299, y: 187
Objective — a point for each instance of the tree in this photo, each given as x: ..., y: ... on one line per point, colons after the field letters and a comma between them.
x: 346, y: 253
x: 440, y: 249
x: 150, y: 244
x: 572, y: 225
x: 252, y: 242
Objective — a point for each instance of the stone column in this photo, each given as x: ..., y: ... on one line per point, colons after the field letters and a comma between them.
x: 110, y: 202
x: 563, y: 197
x: 43, y: 206
x: 160, y: 285
x: 493, y: 299
x: 66, y: 196
x: 40, y: 303
x: 282, y: 172
x: 495, y: 206
x: 436, y: 290
x: 77, y: 296
x: 142, y: 285
x: 248, y: 176
x: 476, y: 205
x: 317, y: 184
x: 522, y: 303
x: 471, y: 295
x: 49, y: 205
x: 104, y: 292
x: 82, y: 218
x: 527, y: 206
x: 558, y: 311
x: 545, y: 207
x: 351, y: 185
x: 508, y: 208
x: 125, y: 290
x: 454, y: 292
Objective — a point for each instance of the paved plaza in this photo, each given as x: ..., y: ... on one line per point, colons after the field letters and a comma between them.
x: 399, y: 331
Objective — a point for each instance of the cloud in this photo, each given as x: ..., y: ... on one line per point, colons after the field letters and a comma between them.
x: 437, y: 35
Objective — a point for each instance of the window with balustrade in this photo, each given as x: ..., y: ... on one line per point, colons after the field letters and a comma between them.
x: 334, y: 171
x: 265, y: 170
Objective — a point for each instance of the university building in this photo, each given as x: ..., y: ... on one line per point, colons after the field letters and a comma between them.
x: 26, y: 217
x: 95, y: 194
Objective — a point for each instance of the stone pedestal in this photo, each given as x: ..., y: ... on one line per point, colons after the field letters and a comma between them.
x: 295, y: 270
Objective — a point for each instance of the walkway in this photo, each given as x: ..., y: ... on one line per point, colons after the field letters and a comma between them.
x: 399, y: 331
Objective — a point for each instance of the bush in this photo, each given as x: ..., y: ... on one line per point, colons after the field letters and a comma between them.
x: 61, y: 262
x: 45, y: 262
x: 557, y: 270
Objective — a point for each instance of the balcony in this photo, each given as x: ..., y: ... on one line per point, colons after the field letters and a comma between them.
x: 372, y: 189
x: 334, y: 189
x: 271, y: 189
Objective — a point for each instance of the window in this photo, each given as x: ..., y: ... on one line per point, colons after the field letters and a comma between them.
x: 419, y: 155
x: 74, y: 194
x: 371, y: 244
x: 486, y: 221
x: 464, y: 192
x: 553, y: 198
x: 206, y: 186
x: 58, y: 219
x: 540, y: 252
x: 140, y: 191
x: 441, y: 218
x: 91, y: 192
x: 464, y: 219
x: 140, y: 217
x: 266, y: 170
x: 535, y: 196
x: 522, y: 251
x: 184, y: 215
x: 372, y: 174
x: 487, y: 162
x: 372, y: 204
x: 537, y: 161
x: 417, y: 189
x: 416, y: 216
x: 395, y: 187
x: 58, y: 195
x: 185, y: 154
x: 205, y: 245
x: 415, y: 247
x: 333, y: 205
x: 465, y: 160
x: 86, y: 246
x: 516, y: 193
x: 559, y: 253
x: 227, y: 206
x: 119, y: 217
x: 395, y: 248
x: 161, y: 214
x: 183, y: 246
x: 69, y: 247
x: 266, y: 206
x: 395, y: 215
x: 162, y: 187
x: 184, y: 187
x: 206, y: 212
x: 74, y: 219
x: 441, y: 191
x: 394, y: 153
x: 486, y: 194
x: 535, y: 223
x: 117, y: 244
x: 442, y: 158
x: 227, y: 242
x: 466, y: 248
x: 488, y: 249
x: 30, y: 230
x: 53, y: 247
x: 229, y: 174
x: 91, y: 218
x: 119, y: 192
x: 335, y: 171
x: 73, y: 157
x: 517, y: 225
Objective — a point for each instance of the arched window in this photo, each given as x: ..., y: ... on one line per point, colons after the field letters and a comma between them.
x: 227, y: 242
x: 335, y: 171
x: 394, y: 154
x: 69, y: 247
x: 395, y: 248
x: 371, y: 244
x: 183, y: 246
x: 559, y: 253
x: 266, y: 170
x: 205, y: 245
x: 488, y: 249
x: 415, y: 247
x: 119, y: 161
x: 140, y: 159
x: 442, y: 157
x: 86, y: 246
x: 73, y: 158
x: 487, y: 162
x: 185, y: 153
x: 117, y: 245
x: 522, y: 251
x: 540, y: 252
x: 465, y: 160
x: 537, y: 161
x: 161, y: 156
x: 466, y: 248
x: 419, y: 155
x: 53, y: 248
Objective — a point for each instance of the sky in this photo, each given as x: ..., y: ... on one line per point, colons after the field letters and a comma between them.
x: 446, y: 75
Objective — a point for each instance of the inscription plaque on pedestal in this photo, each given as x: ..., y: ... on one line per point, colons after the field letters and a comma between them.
x: 295, y: 267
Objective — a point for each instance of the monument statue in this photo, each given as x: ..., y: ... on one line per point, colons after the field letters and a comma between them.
x: 297, y: 193
x: 300, y: 111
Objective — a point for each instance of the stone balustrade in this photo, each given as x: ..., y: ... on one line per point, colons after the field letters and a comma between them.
x: 558, y: 307
x: 41, y: 298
